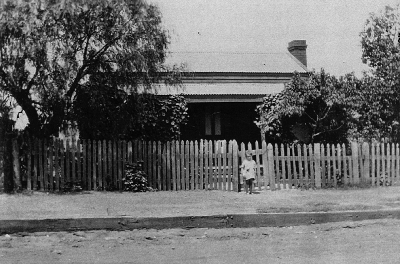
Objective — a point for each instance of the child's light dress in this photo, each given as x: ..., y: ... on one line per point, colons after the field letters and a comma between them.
x: 248, y: 169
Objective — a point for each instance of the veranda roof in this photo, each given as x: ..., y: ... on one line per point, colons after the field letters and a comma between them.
x: 222, y: 92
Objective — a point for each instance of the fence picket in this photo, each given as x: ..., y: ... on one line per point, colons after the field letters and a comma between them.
x: 383, y: 165
x: 178, y: 165
x: 159, y: 165
x: 173, y: 165
x: 153, y: 154
x: 45, y: 164
x: 229, y: 161
x: 334, y: 165
x: 392, y: 163
x: 378, y: 164
x: 325, y: 169
x: 196, y: 165
x: 373, y: 164
x: 201, y: 164
x: 149, y: 162
x: 317, y: 164
x: 84, y: 164
x: 99, y: 167
x: 94, y: 165
x: 110, y: 179
x: 123, y: 160
x: 206, y: 166
x: 72, y: 161
x: 387, y: 159
x: 62, y: 164
x: 345, y: 166
x: 89, y: 164
x: 223, y: 164
x: 79, y: 162
x: 397, y: 164
x: 119, y: 164
x: 187, y: 166
x: 329, y: 180
x: 182, y: 166
x: 168, y: 162
x: 51, y: 166
x: 210, y: 166
x: 56, y: 165
x: 104, y: 165
x: 258, y: 171
x: 164, y: 167
x: 366, y: 163
x: 339, y: 161
x: 281, y: 174
x: 295, y: 167
x: 291, y: 167
x: 301, y: 171
x: 306, y: 166
x: 191, y: 168
x: 235, y: 169
x: 67, y: 163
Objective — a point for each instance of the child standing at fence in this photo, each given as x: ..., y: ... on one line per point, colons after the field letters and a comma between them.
x: 248, y: 171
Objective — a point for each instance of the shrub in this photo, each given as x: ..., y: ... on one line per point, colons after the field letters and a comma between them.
x: 135, y: 179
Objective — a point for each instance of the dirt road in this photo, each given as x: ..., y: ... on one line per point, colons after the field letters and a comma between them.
x: 345, y: 242
x: 190, y: 203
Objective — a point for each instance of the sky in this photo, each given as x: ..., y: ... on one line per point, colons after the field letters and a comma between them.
x: 330, y: 27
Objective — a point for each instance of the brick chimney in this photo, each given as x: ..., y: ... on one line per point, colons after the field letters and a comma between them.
x: 298, y: 48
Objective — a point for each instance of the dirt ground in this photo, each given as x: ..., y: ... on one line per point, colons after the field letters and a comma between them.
x: 345, y: 242
x: 162, y: 204
x: 373, y: 241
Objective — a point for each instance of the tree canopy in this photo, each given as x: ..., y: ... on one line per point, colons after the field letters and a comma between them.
x: 379, y: 104
x: 49, y: 49
x: 309, y: 109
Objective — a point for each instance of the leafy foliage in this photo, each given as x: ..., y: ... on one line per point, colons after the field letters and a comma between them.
x: 135, y: 179
x: 105, y: 112
x: 309, y: 110
x: 49, y: 49
x: 269, y: 122
x: 380, y: 92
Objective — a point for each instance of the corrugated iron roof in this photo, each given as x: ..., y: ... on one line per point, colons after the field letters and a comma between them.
x: 222, y: 89
x: 236, y: 62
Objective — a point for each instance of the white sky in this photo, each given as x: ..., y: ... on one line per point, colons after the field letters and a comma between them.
x: 330, y: 27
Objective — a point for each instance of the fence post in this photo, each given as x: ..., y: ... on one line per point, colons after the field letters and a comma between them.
x: 365, y: 156
x: 271, y: 170
x: 317, y: 164
x: 354, y: 157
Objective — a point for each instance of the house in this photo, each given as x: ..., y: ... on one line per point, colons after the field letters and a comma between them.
x: 223, y: 89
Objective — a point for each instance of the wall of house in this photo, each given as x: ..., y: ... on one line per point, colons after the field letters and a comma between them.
x: 222, y: 121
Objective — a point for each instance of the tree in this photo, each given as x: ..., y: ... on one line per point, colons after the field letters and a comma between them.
x: 308, y: 110
x: 49, y: 49
x: 380, y: 92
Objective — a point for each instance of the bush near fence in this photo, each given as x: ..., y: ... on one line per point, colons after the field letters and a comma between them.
x: 53, y: 165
